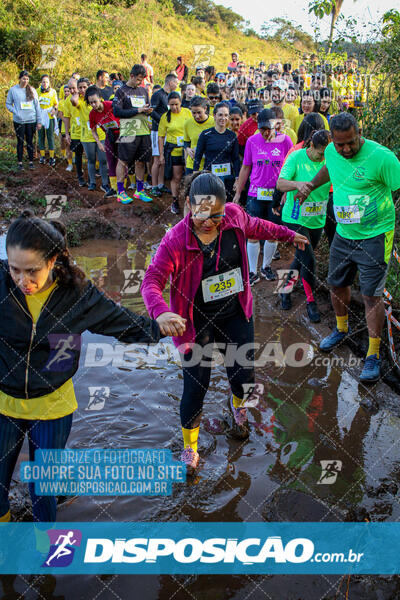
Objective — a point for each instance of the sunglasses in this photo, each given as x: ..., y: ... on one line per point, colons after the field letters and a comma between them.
x: 214, y: 218
x: 213, y: 97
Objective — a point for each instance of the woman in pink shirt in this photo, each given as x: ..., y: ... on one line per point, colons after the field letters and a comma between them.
x: 204, y: 259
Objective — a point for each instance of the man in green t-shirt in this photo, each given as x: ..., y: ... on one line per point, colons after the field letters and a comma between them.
x: 363, y: 174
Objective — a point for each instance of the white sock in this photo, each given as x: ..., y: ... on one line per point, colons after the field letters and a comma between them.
x: 253, y: 251
x: 269, y: 251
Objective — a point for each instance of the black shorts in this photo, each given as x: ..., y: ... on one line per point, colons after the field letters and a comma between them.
x: 178, y: 161
x: 370, y: 257
x: 74, y: 145
x: 137, y: 150
x: 261, y: 209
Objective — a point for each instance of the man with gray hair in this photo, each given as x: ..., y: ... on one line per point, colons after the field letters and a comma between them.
x: 363, y: 174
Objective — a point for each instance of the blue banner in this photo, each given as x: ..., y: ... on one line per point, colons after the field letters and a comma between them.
x: 201, y: 548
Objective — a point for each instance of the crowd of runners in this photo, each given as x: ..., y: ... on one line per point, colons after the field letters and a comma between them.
x: 253, y: 156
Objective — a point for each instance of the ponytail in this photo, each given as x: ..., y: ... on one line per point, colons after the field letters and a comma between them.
x: 29, y: 89
x: 48, y: 238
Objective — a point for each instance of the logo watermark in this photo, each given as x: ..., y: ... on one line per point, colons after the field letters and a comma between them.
x: 97, y: 397
x: 62, y: 547
x: 54, y: 206
x: 133, y: 281
x: 50, y: 55
x: 203, y: 54
x: 330, y: 471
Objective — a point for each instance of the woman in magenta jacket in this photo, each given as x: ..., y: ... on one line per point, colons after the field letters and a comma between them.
x: 204, y: 258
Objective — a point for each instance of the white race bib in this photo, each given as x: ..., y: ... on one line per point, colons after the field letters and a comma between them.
x: 110, y: 125
x: 27, y: 105
x: 221, y: 170
x: 179, y: 140
x: 222, y: 285
x: 264, y: 194
x: 78, y: 121
x: 137, y: 102
x: 347, y: 214
x: 313, y: 209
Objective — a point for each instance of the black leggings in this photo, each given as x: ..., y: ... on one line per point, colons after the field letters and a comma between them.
x: 330, y: 223
x: 304, y: 260
x: 24, y: 131
x: 76, y: 146
x: 234, y: 331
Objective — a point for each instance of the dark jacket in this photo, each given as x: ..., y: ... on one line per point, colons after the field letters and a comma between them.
x: 28, y: 352
x: 159, y: 104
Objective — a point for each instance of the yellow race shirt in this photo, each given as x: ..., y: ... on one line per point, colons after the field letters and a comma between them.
x: 301, y: 117
x: 47, y: 99
x: 55, y: 405
x: 86, y: 132
x: 173, y: 131
x: 61, y: 109
x: 191, y: 133
x: 72, y: 112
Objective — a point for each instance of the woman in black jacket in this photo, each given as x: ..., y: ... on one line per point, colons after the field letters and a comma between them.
x: 46, y: 304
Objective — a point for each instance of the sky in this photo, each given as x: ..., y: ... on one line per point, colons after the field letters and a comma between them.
x: 259, y: 11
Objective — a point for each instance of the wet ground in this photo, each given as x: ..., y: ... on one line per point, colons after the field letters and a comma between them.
x: 306, y: 415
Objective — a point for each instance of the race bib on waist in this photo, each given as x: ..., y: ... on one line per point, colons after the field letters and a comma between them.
x: 313, y: 209
x: 221, y: 170
x: 179, y: 140
x: 222, y: 285
x: 264, y: 194
x: 137, y: 102
x: 110, y: 125
x: 27, y: 105
x: 347, y: 214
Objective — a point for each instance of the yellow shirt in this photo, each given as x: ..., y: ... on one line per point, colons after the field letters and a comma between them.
x: 61, y: 109
x: 61, y: 93
x: 291, y: 133
x: 173, y: 131
x: 73, y: 114
x: 86, y: 132
x: 55, y: 405
x: 301, y: 117
x: 191, y: 133
x: 47, y: 99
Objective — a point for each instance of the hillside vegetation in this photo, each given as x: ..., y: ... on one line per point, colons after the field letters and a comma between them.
x: 112, y: 36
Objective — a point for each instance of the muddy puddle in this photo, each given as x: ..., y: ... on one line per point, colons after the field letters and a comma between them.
x: 305, y: 415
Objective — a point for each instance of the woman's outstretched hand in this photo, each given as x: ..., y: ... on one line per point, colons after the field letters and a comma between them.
x: 171, y: 324
x: 300, y: 241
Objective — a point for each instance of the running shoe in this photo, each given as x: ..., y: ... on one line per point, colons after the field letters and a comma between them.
x: 92, y: 187
x: 313, y: 312
x: 42, y: 160
x: 104, y: 188
x: 254, y: 278
x: 110, y: 193
x: 142, y: 196
x: 147, y: 185
x: 69, y: 168
x: 240, y: 425
x: 286, y: 301
x: 98, y: 174
x: 175, y: 208
x: 191, y: 459
x: 333, y: 339
x: 268, y: 274
x: 371, y: 370
x: 81, y: 182
x: 52, y: 162
x: 124, y: 198
x: 155, y: 191
x: 164, y: 189
x: 31, y: 166
x: 277, y: 255
x: 20, y: 167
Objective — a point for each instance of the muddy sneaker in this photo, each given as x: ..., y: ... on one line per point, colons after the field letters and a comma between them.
x: 142, y: 196
x: 31, y: 166
x: 254, y: 278
x: 110, y: 193
x: 333, y: 339
x: 124, y: 198
x: 191, y: 459
x: 147, y: 185
x: 313, y: 313
x: 20, y: 167
x: 69, y: 168
x: 164, y: 190
x: 268, y: 274
x: 52, y: 162
x: 42, y: 160
x: 81, y: 182
x: 155, y: 191
x: 277, y: 255
x: 286, y: 301
x: 175, y: 208
x: 240, y: 425
x: 372, y: 369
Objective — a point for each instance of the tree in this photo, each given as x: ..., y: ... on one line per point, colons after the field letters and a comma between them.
x: 285, y: 32
x: 321, y: 8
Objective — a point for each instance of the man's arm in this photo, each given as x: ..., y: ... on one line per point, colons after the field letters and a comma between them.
x: 306, y: 187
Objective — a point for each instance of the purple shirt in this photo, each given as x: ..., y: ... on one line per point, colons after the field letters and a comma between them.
x: 266, y: 160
